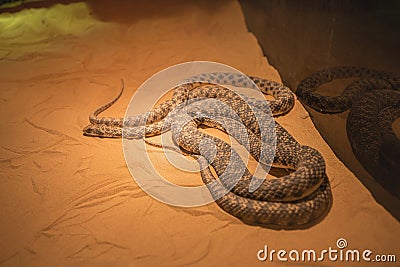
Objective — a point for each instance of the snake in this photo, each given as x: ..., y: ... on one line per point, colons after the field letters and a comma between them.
x: 154, y: 119
x: 294, y: 200
x: 373, y: 102
x: 369, y: 129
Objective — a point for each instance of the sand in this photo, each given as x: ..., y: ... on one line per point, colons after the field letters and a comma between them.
x: 69, y: 200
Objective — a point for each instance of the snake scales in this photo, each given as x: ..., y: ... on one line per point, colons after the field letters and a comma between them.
x: 296, y: 199
x: 374, y: 103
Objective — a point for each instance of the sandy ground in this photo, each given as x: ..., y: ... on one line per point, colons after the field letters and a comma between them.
x: 69, y: 200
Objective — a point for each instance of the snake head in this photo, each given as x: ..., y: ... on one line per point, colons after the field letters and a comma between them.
x: 102, y: 130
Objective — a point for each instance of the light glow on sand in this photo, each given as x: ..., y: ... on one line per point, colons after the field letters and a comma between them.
x: 35, y: 25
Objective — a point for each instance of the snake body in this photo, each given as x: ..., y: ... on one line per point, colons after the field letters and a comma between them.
x: 286, y: 214
x: 372, y: 138
x: 283, y: 102
x: 293, y: 200
x: 369, y: 80
x: 374, y: 103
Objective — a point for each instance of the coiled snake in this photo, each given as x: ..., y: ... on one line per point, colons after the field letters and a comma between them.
x: 296, y: 199
x: 374, y: 103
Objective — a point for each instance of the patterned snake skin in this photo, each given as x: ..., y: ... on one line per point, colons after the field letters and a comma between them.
x: 374, y: 103
x: 296, y: 199
x: 283, y: 102
x: 282, y: 201
x: 369, y: 128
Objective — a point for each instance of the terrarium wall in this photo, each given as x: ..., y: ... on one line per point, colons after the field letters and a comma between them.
x: 300, y: 38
